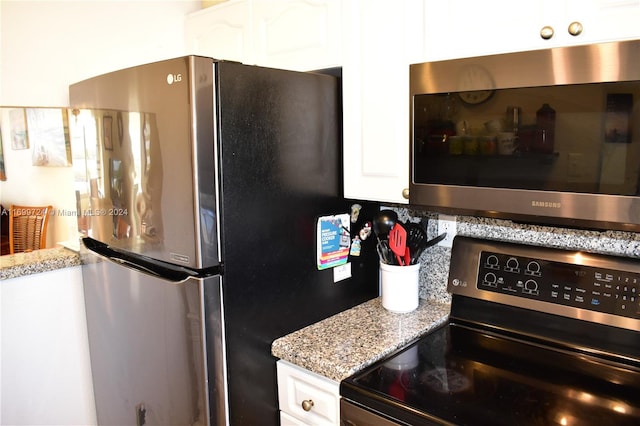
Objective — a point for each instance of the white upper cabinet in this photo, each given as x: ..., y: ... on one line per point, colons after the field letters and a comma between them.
x: 289, y: 34
x: 463, y: 28
x: 610, y: 20
x: 372, y: 42
x: 572, y: 22
x: 380, y: 41
x: 221, y: 32
x: 297, y: 34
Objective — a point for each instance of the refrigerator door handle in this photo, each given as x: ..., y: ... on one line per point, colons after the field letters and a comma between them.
x: 144, y: 264
x: 136, y: 266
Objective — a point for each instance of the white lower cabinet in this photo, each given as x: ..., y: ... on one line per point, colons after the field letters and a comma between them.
x: 288, y: 420
x: 307, y: 398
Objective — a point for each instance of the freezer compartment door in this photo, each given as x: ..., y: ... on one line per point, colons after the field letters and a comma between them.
x: 151, y: 161
x: 147, y: 345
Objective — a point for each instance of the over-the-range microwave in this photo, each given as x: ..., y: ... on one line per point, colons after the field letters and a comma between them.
x: 543, y: 136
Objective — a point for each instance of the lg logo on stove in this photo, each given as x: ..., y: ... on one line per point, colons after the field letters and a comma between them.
x: 457, y: 283
x: 174, y: 78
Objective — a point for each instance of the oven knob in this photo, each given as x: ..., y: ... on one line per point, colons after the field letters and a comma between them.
x: 307, y: 405
x: 512, y: 265
x: 490, y: 279
x: 492, y: 262
x: 530, y: 287
x: 533, y: 268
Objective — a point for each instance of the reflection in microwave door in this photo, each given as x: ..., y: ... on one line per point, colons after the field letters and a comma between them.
x: 475, y: 85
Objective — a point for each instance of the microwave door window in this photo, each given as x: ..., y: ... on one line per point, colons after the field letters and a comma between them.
x: 572, y: 138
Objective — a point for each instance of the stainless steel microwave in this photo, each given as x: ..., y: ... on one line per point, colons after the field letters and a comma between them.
x: 544, y: 136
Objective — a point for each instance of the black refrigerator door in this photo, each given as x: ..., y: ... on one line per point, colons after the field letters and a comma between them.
x: 151, y: 185
x: 281, y: 169
x: 147, y: 344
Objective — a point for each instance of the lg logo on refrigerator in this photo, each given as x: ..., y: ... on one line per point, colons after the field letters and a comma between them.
x: 174, y: 78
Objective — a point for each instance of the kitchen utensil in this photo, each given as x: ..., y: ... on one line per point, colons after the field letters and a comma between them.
x: 383, y: 222
x: 418, y: 242
x: 436, y: 240
x: 398, y: 242
x: 384, y: 252
x: 416, y: 235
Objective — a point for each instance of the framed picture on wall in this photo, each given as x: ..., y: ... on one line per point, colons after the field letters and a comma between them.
x: 49, y: 136
x: 3, y: 175
x: 18, y: 129
x: 120, y: 128
x: 107, y: 123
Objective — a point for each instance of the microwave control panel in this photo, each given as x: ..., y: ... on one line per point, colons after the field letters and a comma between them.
x: 597, y: 289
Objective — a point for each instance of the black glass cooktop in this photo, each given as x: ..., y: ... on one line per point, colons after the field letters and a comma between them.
x: 459, y: 375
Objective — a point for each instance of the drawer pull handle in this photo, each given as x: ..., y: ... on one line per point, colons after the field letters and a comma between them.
x: 307, y: 405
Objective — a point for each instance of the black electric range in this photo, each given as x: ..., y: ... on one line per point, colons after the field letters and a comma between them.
x: 536, y: 336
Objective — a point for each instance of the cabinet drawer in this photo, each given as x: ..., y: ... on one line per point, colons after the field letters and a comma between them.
x: 289, y: 420
x: 298, y: 387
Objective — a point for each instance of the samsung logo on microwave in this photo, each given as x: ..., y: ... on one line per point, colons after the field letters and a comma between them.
x: 546, y: 204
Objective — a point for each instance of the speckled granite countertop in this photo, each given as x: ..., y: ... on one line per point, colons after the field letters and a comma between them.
x: 345, y: 343
x: 35, y: 262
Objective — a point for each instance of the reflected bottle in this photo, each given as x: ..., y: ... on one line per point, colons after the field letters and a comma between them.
x: 546, y: 123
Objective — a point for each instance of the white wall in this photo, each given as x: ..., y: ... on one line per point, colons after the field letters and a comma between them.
x: 47, y: 45
x: 46, y: 374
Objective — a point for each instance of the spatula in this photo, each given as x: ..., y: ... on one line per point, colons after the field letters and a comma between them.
x: 398, y: 242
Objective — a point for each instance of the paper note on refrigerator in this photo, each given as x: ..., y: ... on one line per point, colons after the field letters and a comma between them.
x: 333, y: 240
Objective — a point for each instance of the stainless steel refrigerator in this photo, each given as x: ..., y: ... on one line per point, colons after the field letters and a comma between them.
x: 202, y: 200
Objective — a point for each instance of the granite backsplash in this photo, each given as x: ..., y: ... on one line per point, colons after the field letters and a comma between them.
x: 435, y: 261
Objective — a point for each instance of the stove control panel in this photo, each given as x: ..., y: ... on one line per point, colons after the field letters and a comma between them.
x: 586, y: 286
x: 598, y: 289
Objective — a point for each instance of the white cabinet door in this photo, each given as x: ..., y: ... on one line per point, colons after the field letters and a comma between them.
x: 464, y: 28
x: 297, y: 34
x: 379, y: 43
x: 222, y: 32
x: 290, y: 34
x: 373, y: 42
x: 585, y: 21
x: 307, y: 398
x: 288, y: 420
x: 604, y: 20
